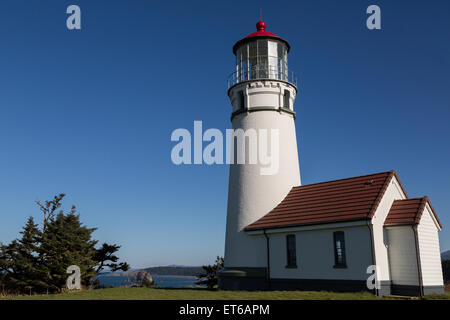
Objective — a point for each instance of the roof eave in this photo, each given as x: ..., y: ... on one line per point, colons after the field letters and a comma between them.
x: 249, y: 39
x: 303, y: 224
x: 402, y: 224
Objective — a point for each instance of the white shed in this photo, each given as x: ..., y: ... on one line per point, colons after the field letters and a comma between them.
x: 412, y: 228
x: 326, y: 236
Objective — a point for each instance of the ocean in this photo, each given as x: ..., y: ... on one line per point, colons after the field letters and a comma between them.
x: 160, y: 281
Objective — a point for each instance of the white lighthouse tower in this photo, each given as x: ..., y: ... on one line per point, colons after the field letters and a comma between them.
x: 262, y: 92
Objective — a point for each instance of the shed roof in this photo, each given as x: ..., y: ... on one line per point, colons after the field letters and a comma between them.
x: 341, y: 200
x: 408, y: 211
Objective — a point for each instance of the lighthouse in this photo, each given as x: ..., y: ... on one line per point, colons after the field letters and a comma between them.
x: 282, y: 235
x: 262, y: 91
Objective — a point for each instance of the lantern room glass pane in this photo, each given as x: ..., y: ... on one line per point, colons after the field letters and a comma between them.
x: 262, y: 47
x: 261, y: 59
x: 252, y: 49
x: 263, y: 62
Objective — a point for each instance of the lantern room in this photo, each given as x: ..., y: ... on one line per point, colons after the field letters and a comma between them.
x: 261, y: 55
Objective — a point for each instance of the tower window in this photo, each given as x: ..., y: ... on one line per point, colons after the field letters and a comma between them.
x: 339, y: 250
x: 286, y: 98
x: 291, y: 251
x: 241, y: 100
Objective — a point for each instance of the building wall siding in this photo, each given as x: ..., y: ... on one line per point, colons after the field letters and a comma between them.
x: 393, y: 192
x: 402, y: 255
x: 315, y: 255
x: 430, y: 257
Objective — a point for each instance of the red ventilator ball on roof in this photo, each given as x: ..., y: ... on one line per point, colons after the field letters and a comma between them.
x: 260, y: 33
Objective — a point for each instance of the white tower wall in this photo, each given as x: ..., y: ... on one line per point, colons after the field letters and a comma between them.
x: 252, y: 195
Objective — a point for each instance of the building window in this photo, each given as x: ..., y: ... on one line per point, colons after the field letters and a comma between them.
x: 241, y: 100
x: 339, y: 250
x: 291, y: 252
x: 286, y: 98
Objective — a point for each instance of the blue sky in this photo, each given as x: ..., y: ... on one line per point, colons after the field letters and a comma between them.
x: 90, y: 112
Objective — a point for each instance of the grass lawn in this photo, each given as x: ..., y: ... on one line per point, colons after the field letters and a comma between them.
x: 444, y: 296
x: 203, y: 294
x: 195, y: 294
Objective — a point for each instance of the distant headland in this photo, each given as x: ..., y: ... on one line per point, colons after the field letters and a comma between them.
x: 171, y: 270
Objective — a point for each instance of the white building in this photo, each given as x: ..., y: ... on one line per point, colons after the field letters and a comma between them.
x: 281, y: 235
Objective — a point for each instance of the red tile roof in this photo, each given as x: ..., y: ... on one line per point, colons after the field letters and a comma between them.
x: 408, y: 211
x: 327, y: 202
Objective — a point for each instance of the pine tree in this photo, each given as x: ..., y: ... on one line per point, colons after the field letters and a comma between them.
x: 106, y: 253
x: 210, y: 276
x: 19, y: 259
x: 67, y: 242
x: 38, y: 261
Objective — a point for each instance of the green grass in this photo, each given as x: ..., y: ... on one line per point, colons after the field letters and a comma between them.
x: 203, y: 294
x: 443, y: 296
x: 195, y: 294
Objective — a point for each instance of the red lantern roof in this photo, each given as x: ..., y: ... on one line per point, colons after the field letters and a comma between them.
x: 260, y: 33
x: 261, y: 27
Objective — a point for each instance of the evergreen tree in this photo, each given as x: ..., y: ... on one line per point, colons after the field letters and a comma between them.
x: 19, y: 259
x: 210, y: 276
x: 38, y: 261
x: 105, y: 254
x: 67, y: 242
